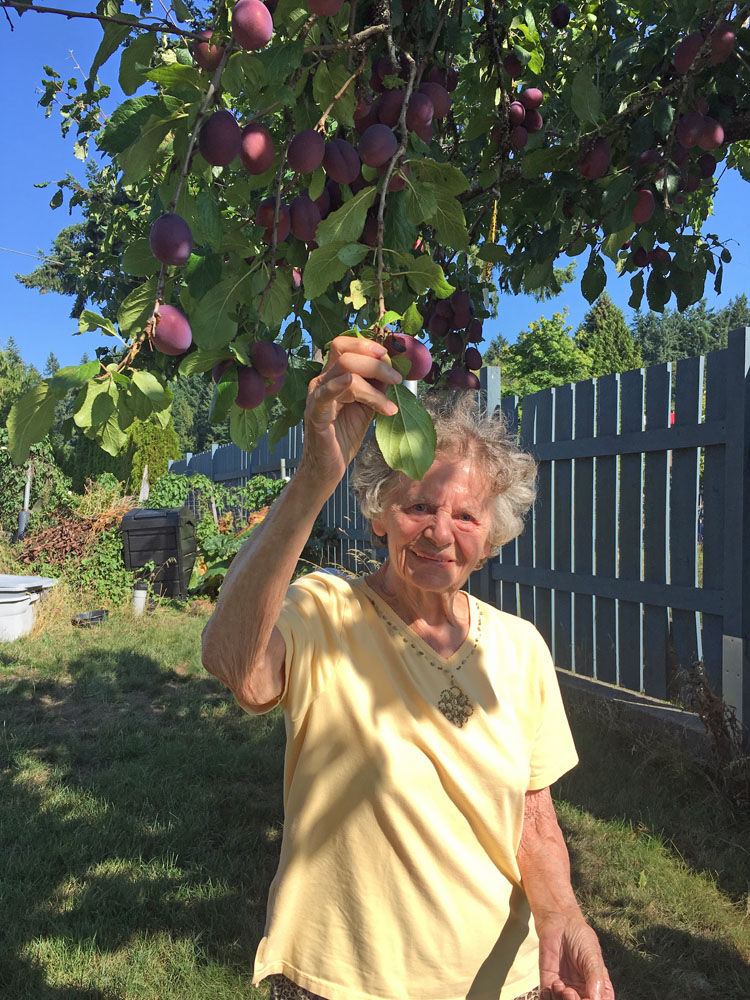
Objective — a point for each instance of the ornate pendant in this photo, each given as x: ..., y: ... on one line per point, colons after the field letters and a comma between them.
x: 455, y: 706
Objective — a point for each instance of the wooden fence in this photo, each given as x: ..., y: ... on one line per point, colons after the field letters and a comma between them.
x: 635, y: 561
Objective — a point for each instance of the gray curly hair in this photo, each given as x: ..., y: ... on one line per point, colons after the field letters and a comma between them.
x: 462, y: 429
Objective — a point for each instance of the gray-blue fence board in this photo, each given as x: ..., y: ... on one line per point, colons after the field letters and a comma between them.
x: 562, y: 542
x: 714, y: 530
x: 630, y: 544
x: 605, y: 530
x: 583, y: 519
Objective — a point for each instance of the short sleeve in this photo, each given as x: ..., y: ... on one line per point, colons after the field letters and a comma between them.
x: 310, y: 623
x: 553, y: 751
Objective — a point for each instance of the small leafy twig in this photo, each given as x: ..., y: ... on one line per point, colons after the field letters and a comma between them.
x: 159, y: 24
x: 351, y: 43
x: 320, y: 127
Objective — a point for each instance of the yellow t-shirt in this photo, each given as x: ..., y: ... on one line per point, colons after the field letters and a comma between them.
x: 398, y: 877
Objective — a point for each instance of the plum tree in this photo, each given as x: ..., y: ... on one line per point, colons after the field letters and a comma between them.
x: 522, y: 142
x: 252, y: 24
x: 172, y: 334
x: 170, y: 239
x: 220, y: 138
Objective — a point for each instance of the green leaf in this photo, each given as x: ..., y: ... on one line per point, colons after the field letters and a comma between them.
x: 135, y: 61
x: 593, y: 279
x: 29, y: 420
x: 202, y: 361
x: 247, y: 427
x: 345, y: 225
x: 225, y: 393
x: 175, y: 75
x: 114, y: 36
x: 353, y: 253
x: 326, y: 320
x: 636, y: 288
x: 442, y: 175
x: 317, y: 184
x: 323, y: 268
x: 662, y: 116
x: 149, y: 152
x: 423, y: 273
x: 420, y: 201
x: 111, y: 436
x: 94, y: 403
x: 72, y: 377
x: 492, y: 253
x: 90, y: 320
x: 585, y: 99
x: 412, y: 321
x: 136, y: 309
x: 400, y: 233
x: 279, y: 61
x: 243, y: 73
x: 450, y: 224
x: 209, y: 228
x: 138, y: 259
x: 276, y: 300
x: 151, y: 388
x: 124, y: 124
x: 202, y: 274
x: 407, y: 439
x: 214, y: 324
x: 328, y: 80
x: 56, y: 199
x: 658, y: 291
x: 616, y: 191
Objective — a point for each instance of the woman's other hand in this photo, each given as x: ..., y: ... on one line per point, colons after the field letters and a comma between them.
x: 340, y: 405
x: 570, y: 961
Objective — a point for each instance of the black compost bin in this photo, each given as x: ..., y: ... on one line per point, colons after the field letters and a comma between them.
x: 167, y: 537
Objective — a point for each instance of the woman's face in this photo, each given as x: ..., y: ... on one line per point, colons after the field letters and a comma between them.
x: 438, y: 529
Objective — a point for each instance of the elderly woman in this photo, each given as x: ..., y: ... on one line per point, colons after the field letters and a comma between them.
x: 421, y: 857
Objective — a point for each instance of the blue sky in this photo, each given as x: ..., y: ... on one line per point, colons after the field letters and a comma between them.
x: 36, y: 153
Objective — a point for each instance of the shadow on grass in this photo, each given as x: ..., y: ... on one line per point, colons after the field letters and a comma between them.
x: 136, y: 803
x: 662, y: 781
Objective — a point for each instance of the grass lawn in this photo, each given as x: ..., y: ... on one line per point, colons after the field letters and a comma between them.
x: 140, y: 822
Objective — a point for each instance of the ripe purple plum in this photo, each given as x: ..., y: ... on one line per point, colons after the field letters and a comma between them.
x: 172, y: 334
x: 370, y: 229
x: 723, y: 40
x: 474, y: 333
x: 377, y: 145
x: 399, y: 177
x: 220, y: 367
x: 433, y: 375
x: 462, y: 378
x: 341, y: 160
x: 712, y: 135
x: 402, y: 344
x: 660, y: 258
x: 220, y: 138
x: 365, y: 115
x: 437, y: 325
x: 531, y: 98
x: 519, y: 136
x: 325, y: 8
x: 689, y: 129
x: 533, y: 121
x: 276, y: 385
x: 257, y: 150
x: 454, y: 343
x: 513, y: 66
x: 206, y: 55
x: 644, y: 207
x: 304, y: 216
x: 460, y: 303
x: 264, y: 217
x: 269, y: 359
x: 516, y: 113
x: 473, y: 359
x: 251, y: 389
x: 305, y: 153
x: 323, y: 201
x: 389, y: 107
x: 439, y: 96
x: 641, y: 257
x: 686, y: 51
x: 252, y: 24
x: 560, y: 15
x: 596, y: 159
x: 690, y: 182
x: 707, y: 166
x: 419, y: 113
x: 170, y: 239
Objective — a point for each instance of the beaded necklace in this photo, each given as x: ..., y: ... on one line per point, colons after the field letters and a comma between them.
x: 453, y: 702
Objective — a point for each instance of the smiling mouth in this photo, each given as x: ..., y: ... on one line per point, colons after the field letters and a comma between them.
x: 433, y: 559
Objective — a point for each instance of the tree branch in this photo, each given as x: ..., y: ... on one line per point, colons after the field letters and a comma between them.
x: 160, y: 24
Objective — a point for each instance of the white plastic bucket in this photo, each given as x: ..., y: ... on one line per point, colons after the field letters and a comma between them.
x: 17, y: 614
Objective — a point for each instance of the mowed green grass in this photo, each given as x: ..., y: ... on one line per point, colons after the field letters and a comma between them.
x: 141, y: 818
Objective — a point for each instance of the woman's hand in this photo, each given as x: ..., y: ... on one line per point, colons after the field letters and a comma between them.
x: 571, y: 966
x: 340, y: 404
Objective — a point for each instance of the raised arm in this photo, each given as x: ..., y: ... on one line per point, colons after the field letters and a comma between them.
x: 241, y: 645
x: 571, y: 966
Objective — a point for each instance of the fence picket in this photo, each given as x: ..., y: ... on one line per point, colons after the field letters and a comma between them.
x: 562, y: 479
x: 525, y: 545
x: 583, y: 535
x: 544, y: 516
x: 655, y: 533
x: 629, y: 541
x: 605, y: 512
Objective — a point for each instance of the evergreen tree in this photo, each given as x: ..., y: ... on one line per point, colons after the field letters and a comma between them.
x: 51, y: 366
x: 605, y: 337
x: 190, y: 410
x: 492, y: 355
x: 151, y: 445
x: 698, y: 330
x: 15, y: 378
x: 544, y: 355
